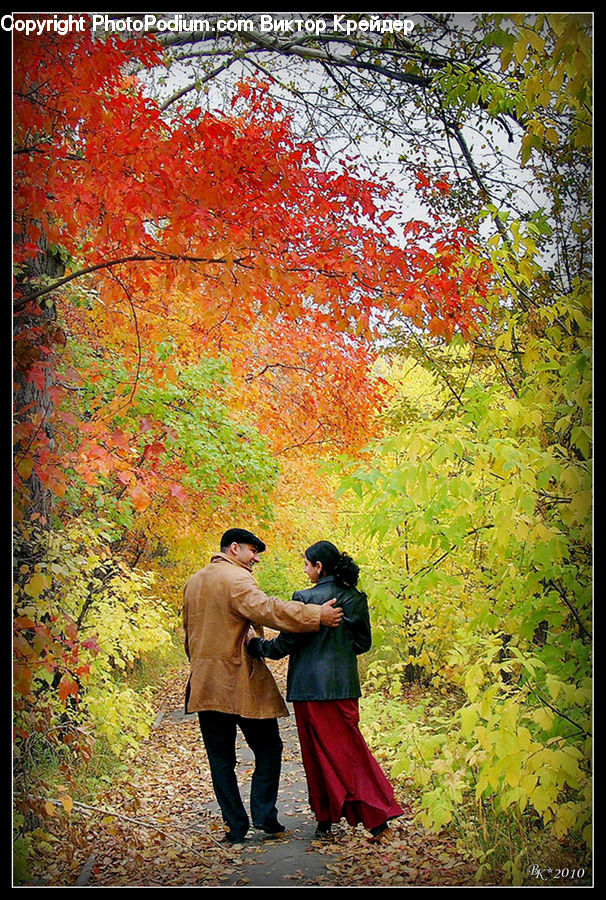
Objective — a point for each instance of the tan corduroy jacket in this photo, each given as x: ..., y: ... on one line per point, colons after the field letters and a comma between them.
x: 219, y: 604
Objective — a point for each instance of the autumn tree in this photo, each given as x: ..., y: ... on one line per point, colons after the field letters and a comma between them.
x: 487, y: 117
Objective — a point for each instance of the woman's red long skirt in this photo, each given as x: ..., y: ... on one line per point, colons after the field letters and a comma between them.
x: 343, y: 777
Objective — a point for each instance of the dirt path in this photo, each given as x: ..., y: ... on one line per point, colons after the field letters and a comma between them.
x: 162, y: 826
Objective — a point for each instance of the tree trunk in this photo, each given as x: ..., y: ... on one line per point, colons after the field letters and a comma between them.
x: 35, y: 340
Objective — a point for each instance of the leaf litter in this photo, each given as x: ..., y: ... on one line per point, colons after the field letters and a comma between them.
x: 159, y: 825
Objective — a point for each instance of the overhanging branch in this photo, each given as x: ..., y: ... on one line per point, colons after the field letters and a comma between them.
x: 110, y: 263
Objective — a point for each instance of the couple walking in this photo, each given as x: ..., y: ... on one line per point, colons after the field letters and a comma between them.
x: 230, y: 686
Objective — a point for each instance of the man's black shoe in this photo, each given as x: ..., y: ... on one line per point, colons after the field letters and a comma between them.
x: 274, y: 827
x: 229, y: 838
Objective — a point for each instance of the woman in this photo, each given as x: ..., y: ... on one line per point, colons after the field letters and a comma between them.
x: 323, y: 684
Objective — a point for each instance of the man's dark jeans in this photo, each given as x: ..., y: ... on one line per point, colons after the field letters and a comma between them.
x: 263, y: 737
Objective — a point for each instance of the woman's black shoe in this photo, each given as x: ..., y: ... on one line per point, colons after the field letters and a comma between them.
x: 382, y: 833
x: 323, y: 831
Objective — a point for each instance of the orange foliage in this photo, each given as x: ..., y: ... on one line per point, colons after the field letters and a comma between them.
x: 220, y: 233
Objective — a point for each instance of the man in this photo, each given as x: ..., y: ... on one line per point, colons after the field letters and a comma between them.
x: 230, y: 689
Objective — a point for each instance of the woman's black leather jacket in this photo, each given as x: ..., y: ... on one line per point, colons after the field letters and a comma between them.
x: 323, y: 665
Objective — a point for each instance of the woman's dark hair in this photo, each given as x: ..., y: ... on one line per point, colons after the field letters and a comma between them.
x: 334, y: 563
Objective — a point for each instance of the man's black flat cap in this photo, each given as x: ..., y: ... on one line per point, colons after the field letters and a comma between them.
x: 241, y: 536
